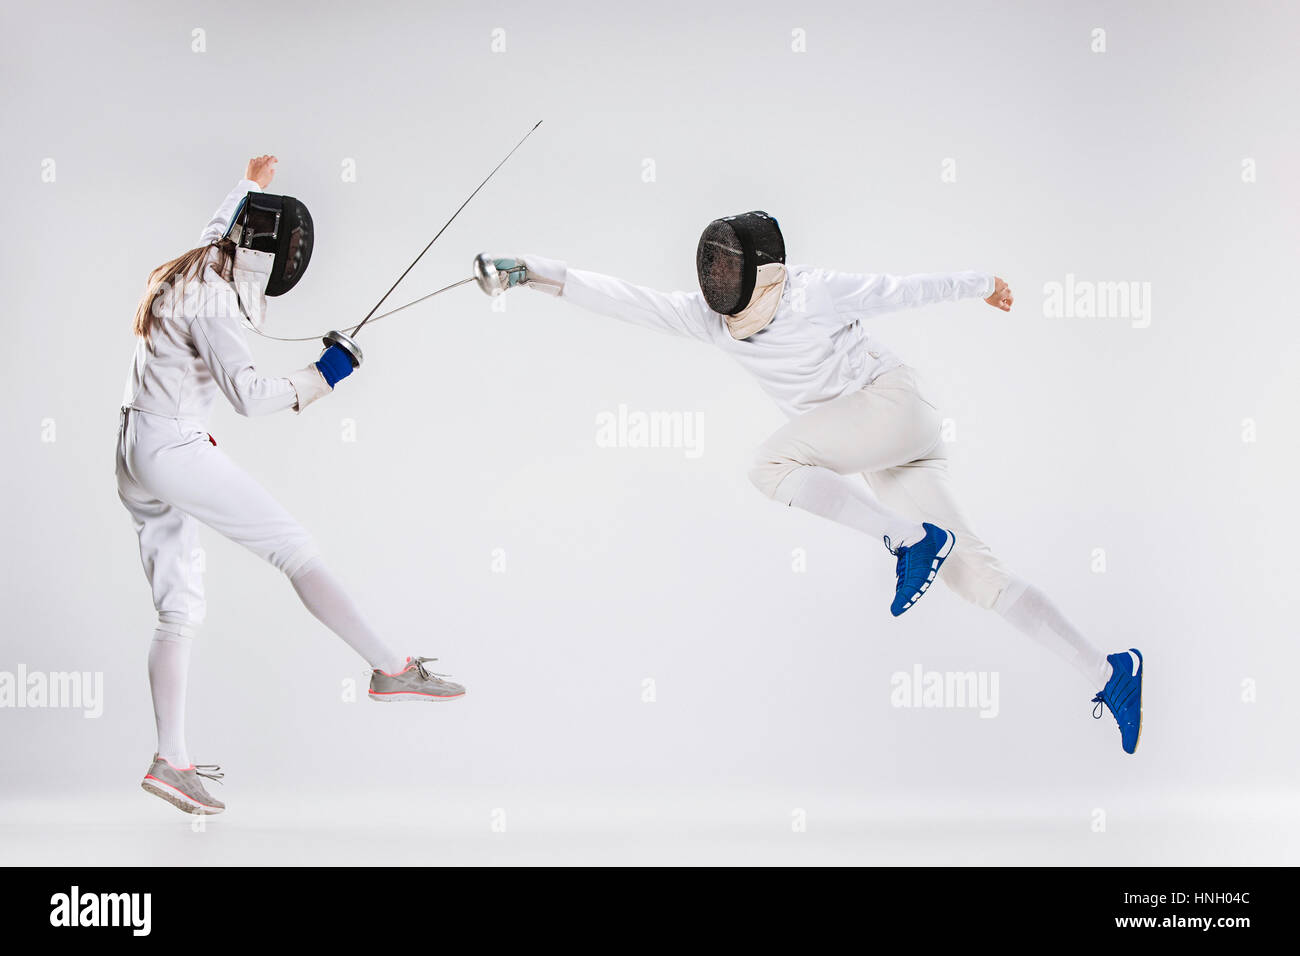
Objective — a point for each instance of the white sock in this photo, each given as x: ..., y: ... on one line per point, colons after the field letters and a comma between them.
x: 322, y: 594
x: 1032, y: 612
x: 822, y: 492
x: 169, y: 673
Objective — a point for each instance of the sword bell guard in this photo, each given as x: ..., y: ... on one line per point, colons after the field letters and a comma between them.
x: 347, y: 344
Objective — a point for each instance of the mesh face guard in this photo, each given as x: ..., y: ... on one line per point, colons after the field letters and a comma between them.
x: 280, y: 225
x: 728, y: 257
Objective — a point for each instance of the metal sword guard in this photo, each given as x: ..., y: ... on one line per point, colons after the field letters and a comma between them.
x: 347, y: 344
x: 487, y: 274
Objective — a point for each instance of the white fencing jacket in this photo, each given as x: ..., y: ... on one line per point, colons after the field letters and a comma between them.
x: 816, y: 347
x: 198, y: 347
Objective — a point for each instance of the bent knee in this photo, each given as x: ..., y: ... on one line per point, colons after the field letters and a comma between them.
x: 978, y: 578
x: 176, y: 625
x: 294, y: 558
x: 769, y: 471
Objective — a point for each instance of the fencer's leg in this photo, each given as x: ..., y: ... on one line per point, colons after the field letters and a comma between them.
x: 923, y: 489
x: 206, y: 483
x: 169, y: 551
x: 169, y: 675
x: 822, y: 492
x: 1031, y: 612
x: 804, y: 462
x: 325, y: 598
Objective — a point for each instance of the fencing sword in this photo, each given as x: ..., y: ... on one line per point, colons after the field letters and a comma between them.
x: 346, y: 341
x: 490, y: 279
x: 400, y: 308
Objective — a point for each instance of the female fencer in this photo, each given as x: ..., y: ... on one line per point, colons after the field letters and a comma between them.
x: 172, y: 477
x: 855, y: 409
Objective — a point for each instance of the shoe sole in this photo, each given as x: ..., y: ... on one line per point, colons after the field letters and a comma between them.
x: 940, y: 556
x: 401, y: 695
x: 177, y: 799
x: 1137, y: 743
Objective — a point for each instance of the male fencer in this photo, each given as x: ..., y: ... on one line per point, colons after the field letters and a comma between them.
x: 855, y: 409
x: 171, y: 476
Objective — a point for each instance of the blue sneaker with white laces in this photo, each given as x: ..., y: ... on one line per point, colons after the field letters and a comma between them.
x: 918, y: 564
x: 1122, y: 695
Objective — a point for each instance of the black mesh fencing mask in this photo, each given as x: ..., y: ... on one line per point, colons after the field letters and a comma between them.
x: 280, y: 225
x: 728, y: 257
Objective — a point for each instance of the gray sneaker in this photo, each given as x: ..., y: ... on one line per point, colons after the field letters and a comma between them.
x: 182, y: 788
x: 415, y: 682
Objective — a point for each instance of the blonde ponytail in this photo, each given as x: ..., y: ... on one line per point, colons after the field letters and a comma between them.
x: 185, y: 267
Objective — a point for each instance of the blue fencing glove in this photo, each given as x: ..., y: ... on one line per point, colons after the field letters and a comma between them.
x: 334, y: 365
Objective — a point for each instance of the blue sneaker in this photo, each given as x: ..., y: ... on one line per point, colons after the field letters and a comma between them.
x: 1123, y: 695
x: 918, y: 564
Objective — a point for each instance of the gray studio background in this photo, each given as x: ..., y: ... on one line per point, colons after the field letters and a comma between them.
x: 475, y: 430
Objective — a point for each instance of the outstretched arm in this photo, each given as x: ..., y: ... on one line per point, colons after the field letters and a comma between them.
x: 857, y: 295
x: 257, y: 176
x: 678, y: 313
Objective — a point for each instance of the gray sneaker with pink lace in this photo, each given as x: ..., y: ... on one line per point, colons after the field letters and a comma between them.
x: 414, y: 682
x: 181, y: 786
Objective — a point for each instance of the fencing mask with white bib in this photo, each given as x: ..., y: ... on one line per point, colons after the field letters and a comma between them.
x: 273, y: 238
x: 741, y: 266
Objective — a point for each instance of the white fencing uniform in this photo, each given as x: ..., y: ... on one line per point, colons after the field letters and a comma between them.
x: 816, y: 348
x: 170, y: 476
x: 854, y: 407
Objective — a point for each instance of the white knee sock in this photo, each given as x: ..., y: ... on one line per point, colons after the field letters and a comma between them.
x: 169, y: 673
x: 847, y: 501
x: 322, y: 594
x: 1032, y: 612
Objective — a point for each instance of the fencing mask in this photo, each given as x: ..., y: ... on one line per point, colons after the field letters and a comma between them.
x: 273, y: 240
x: 280, y: 225
x: 741, y: 266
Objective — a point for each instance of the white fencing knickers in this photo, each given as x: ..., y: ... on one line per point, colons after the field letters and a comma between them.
x: 171, y: 476
x: 888, y: 432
